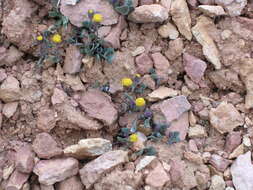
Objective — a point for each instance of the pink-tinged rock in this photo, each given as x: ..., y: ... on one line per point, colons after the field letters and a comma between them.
x: 225, y: 118
x: 242, y: 172
x: 99, y: 105
x: 180, y: 125
x: 9, y: 109
x: 10, y: 90
x: 46, y: 187
x: 58, y: 97
x: 16, y: 180
x: 72, y: 183
x: 25, y: 159
x: 192, y: 3
x: 17, y: 25
x: 73, y: 60
x: 3, y: 75
x: 55, y: 170
x: 219, y: 162
x: 143, y: 63
x: 157, y: 177
x: 175, y: 50
x: 193, y: 157
x: 146, y: 2
x: 46, y: 119
x: 149, y: 14
x: 176, y: 171
x: 233, y: 7
x: 45, y: 146
x: 206, y: 2
x: 233, y: 140
x: 193, y: 146
x: 94, y: 170
x: 162, y: 66
x: 194, y: 67
x: 148, y: 81
x: 114, y: 36
x: 10, y: 56
x: 79, y: 13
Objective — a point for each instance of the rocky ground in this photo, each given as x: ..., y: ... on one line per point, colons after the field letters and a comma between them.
x: 58, y: 128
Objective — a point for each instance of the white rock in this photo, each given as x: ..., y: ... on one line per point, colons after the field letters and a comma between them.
x: 246, y: 141
x: 139, y: 50
x: 161, y: 93
x: 71, y: 2
x: 217, y: 183
x: 144, y: 162
x: 212, y: 11
x: 9, y: 109
x: 168, y: 31
x: 242, y: 172
x: 196, y: 131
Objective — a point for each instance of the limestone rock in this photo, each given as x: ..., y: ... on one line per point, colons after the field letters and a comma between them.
x: 212, y: 11
x: 181, y: 17
x: 88, y: 148
x: 148, y: 13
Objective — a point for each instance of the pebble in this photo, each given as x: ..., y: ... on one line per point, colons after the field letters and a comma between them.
x: 10, y: 90
x: 225, y: 34
x: 139, y: 50
x: 168, y: 31
x: 237, y: 152
x: 9, y: 109
x: 211, y: 10
x: 161, y: 93
x: 197, y: 131
x: 144, y: 162
x: 217, y: 183
x: 246, y: 141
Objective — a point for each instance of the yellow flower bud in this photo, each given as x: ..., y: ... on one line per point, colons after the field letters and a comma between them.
x: 139, y: 102
x: 126, y: 82
x: 90, y: 11
x: 56, y: 38
x: 133, y: 138
x: 40, y: 38
x: 138, y: 75
x: 97, y: 18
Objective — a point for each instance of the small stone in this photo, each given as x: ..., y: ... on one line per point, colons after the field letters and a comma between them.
x: 16, y: 180
x: 157, y: 177
x: 162, y: 66
x: 58, y: 97
x: 73, y: 60
x: 233, y: 140
x: 226, y: 34
x: 99, y: 105
x: 104, y: 31
x: 94, y: 170
x: 55, y: 170
x: 144, y: 162
x: 72, y: 183
x: 197, y: 131
x: 7, y: 171
x: 148, y: 81
x: 140, y: 143
x: 168, y: 31
x: 192, y: 146
x: 225, y: 118
x: 237, y: 152
x: 88, y: 148
x: 192, y: 119
x: 149, y: 13
x: 181, y: 17
x: 45, y: 146
x: 161, y: 93
x: 46, y: 187
x: 10, y: 90
x: 71, y: 2
x: 194, y: 67
x: 233, y: 7
x: 9, y: 109
x: 139, y: 50
x: 3, y: 75
x: 25, y: 159
x: 212, y: 11
x: 242, y: 172
x: 217, y: 183
x: 192, y: 157
x: 246, y: 141
x: 143, y: 63
x: 175, y: 50
x: 74, y: 82
x: 46, y: 119
x: 209, y: 48
x: 219, y: 162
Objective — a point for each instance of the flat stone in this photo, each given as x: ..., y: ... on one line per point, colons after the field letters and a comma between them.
x: 87, y: 148
x: 149, y: 14
x: 181, y: 16
x: 209, y: 48
x: 45, y: 146
x: 9, y: 109
x: 175, y: 50
x: 143, y: 63
x: 139, y: 50
x: 94, y: 170
x: 219, y: 162
x: 55, y: 170
x: 161, y: 93
x: 25, y: 159
x: 99, y: 105
x: 16, y: 180
x: 72, y: 183
x: 79, y: 13
x: 73, y: 60
x: 233, y: 140
x: 212, y: 11
x: 225, y: 118
x: 193, y: 157
x: 242, y: 172
x: 144, y: 162
x: 46, y: 120
x: 237, y: 152
x: 161, y: 65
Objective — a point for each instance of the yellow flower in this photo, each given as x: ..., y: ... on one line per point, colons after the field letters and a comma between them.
x: 138, y: 75
x: 39, y: 38
x: 90, y: 11
x: 97, y: 18
x: 133, y: 138
x: 139, y: 102
x: 56, y: 38
x: 126, y: 82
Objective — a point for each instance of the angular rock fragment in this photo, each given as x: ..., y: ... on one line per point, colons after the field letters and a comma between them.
x: 46, y: 119
x: 212, y: 11
x: 25, y: 159
x: 94, y: 170
x: 219, y: 162
x: 16, y: 180
x: 149, y: 13
x: 161, y: 93
x: 143, y: 63
x: 88, y: 148
x: 73, y: 60
x: 55, y: 170
x: 233, y: 7
x: 9, y: 109
x: 72, y: 183
x: 168, y: 31
x: 10, y: 90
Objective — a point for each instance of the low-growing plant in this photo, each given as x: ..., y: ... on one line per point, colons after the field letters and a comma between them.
x: 124, y: 7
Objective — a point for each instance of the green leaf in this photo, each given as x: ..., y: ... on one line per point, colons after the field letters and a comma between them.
x: 174, y: 137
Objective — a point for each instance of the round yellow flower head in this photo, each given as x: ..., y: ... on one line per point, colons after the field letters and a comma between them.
x: 138, y: 75
x: 126, y: 82
x: 97, y: 18
x: 40, y: 38
x: 56, y: 38
x: 90, y: 11
x: 133, y: 138
x: 139, y: 102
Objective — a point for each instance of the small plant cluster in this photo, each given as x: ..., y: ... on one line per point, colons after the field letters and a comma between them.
x: 144, y: 122
x: 123, y: 7
x: 87, y: 39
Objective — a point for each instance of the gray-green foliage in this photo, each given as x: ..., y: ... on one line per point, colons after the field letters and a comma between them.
x: 123, y: 7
